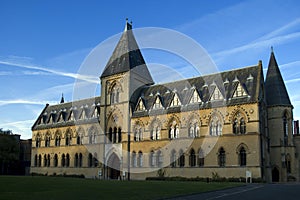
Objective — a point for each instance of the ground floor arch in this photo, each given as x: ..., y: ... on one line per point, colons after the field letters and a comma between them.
x: 275, y: 174
x: 113, y: 166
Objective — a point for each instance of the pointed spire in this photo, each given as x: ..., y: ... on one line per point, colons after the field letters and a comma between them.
x: 276, y: 92
x: 127, y: 56
x: 62, y: 100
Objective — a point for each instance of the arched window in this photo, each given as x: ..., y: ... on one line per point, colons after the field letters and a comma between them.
x: 159, y: 159
x: 174, y: 130
x: 288, y: 163
x: 95, y: 160
x: 173, y: 158
x: 239, y: 124
x: 243, y: 157
x: 40, y: 161
x: 201, y: 158
x: 45, y: 160
x: 80, y: 160
x: 63, y: 160
x: 47, y: 140
x: 76, y: 161
x: 194, y: 130
x: 181, y: 159
x: 119, y: 135
x: 35, y: 161
x: 285, y: 129
x: 115, y: 135
x: 110, y: 134
x: 55, y: 160
x: 115, y: 94
x: 92, y: 136
x: 134, y: 159
x: 38, y: 140
x: 67, y: 160
x: 48, y: 160
x: 138, y: 136
x: 140, y: 159
x: 90, y: 160
x: 192, y: 158
x: 222, y: 157
x: 68, y: 137
x: 155, y: 132
x: 79, y: 138
x: 57, y: 140
x: 152, y: 159
x: 215, y: 126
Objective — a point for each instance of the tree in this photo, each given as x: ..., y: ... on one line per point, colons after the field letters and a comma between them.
x: 9, y: 152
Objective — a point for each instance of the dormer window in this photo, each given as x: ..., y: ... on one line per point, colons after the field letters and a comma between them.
x: 239, y: 91
x: 157, y: 103
x: 195, y: 97
x: 175, y: 101
x: 216, y: 95
x: 140, y: 105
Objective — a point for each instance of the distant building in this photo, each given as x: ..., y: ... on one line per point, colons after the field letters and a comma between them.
x: 233, y: 122
x: 15, y: 154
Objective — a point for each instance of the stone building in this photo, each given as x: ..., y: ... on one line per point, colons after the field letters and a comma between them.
x: 227, y: 123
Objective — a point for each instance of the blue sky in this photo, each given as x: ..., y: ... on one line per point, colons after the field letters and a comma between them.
x: 43, y: 43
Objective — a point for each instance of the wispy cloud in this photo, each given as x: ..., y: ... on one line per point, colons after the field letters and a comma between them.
x: 19, y: 127
x: 92, y: 79
x: 22, y: 101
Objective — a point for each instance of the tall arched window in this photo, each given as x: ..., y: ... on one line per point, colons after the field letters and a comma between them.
x: 243, y: 157
x: 76, y: 163
x: 47, y: 140
x: 68, y: 137
x: 222, y: 157
x: 90, y: 160
x: 55, y: 160
x: 80, y: 160
x: 63, y: 160
x: 239, y: 124
x: 152, y: 159
x: 181, y: 161
x: 48, y: 160
x: 201, y: 158
x: 192, y: 158
x: 35, y: 161
x: 40, y: 161
x: 174, y: 130
x: 38, y: 140
x: 92, y: 136
x: 242, y: 126
x: 67, y: 160
x: 115, y: 94
x: 155, y: 132
x: 285, y: 129
x: 134, y: 159
x: 57, y: 139
x: 194, y: 130
x: 173, y: 158
x: 45, y: 160
x: 79, y: 138
x: 95, y: 160
x: 138, y: 136
x: 215, y: 126
x: 119, y: 135
x: 159, y: 159
x: 140, y: 159
x: 110, y: 133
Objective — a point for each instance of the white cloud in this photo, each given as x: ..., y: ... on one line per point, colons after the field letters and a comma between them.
x: 23, y: 101
x: 19, y: 127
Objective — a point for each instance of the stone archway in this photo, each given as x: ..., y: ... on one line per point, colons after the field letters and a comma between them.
x: 275, y: 175
x: 113, y: 166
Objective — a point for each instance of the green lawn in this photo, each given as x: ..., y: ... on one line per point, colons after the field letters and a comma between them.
x: 20, y: 187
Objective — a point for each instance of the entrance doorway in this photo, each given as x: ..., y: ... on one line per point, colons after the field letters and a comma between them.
x: 275, y: 175
x: 113, y: 165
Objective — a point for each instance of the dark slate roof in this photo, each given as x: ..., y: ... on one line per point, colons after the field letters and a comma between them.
x: 59, y: 115
x: 127, y: 56
x: 276, y: 93
x: 226, y: 82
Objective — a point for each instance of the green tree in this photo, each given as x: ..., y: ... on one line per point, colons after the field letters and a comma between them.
x: 9, y: 152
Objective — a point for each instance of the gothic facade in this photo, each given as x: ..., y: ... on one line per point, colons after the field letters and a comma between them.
x: 228, y: 124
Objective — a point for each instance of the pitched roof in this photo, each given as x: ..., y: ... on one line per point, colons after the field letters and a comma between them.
x: 276, y: 93
x: 127, y: 56
x: 226, y: 82
x: 59, y: 115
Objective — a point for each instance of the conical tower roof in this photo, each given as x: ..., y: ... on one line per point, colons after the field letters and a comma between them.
x: 276, y: 92
x: 127, y: 56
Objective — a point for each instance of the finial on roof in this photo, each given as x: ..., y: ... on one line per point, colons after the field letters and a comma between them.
x: 62, y: 100
x: 128, y: 26
x: 272, y: 50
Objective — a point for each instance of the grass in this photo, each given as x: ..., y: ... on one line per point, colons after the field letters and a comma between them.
x: 27, y: 187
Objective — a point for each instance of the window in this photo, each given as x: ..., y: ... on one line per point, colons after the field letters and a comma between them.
x: 40, y: 161
x: 243, y: 157
x: 80, y: 134
x: 195, y: 98
x: 68, y: 137
x: 47, y: 140
x: 152, y: 159
x: 134, y: 159
x: 45, y: 160
x: 239, y: 124
x: 92, y: 136
x: 173, y: 158
x: 194, y: 130
x: 95, y: 160
x: 48, y: 160
x: 157, y: 104
x: 181, y: 159
x: 57, y: 139
x: 222, y: 157
x: 63, y: 160
x: 216, y: 95
x: 140, y: 159
x: 35, y: 161
x: 138, y: 134
x: 155, y: 133
x: 55, y: 160
x: 285, y: 129
x: 119, y: 135
x: 67, y: 160
x: 192, y: 158
x: 90, y: 160
x: 174, y: 130
x: 288, y: 163
x: 159, y: 158
x: 115, y: 94
x: 140, y: 106
x: 175, y: 101
x: 239, y: 92
x: 80, y: 160
x: 201, y: 158
x: 215, y: 126
x: 38, y: 140
x: 76, y: 160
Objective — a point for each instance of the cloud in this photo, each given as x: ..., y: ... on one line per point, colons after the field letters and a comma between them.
x: 5, y: 73
x: 88, y: 78
x: 19, y: 127
x: 23, y: 101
